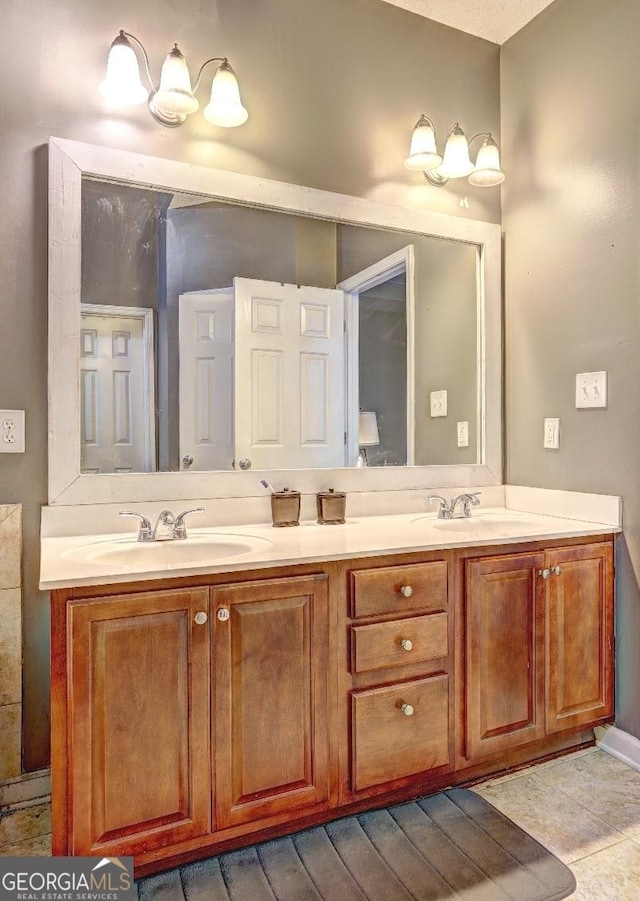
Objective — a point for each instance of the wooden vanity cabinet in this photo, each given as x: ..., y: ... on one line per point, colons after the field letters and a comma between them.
x: 400, y: 691
x: 137, y: 677
x: 538, y: 645
x: 199, y: 714
x: 270, y: 662
x: 138, y: 714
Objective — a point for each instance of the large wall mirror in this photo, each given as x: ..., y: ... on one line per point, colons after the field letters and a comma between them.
x: 207, y: 328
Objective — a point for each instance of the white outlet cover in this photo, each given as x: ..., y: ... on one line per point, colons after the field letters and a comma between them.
x: 12, y: 432
x: 438, y: 403
x: 591, y: 390
x: 551, y: 434
x: 463, y: 434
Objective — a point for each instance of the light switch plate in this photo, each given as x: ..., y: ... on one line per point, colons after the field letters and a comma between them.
x: 463, y: 434
x: 552, y: 434
x: 591, y: 389
x: 11, y: 431
x: 438, y: 403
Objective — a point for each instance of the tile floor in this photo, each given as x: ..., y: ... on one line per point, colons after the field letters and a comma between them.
x: 584, y: 807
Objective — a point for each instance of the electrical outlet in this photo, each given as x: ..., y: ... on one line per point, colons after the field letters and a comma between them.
x: 11, y: 431
x: 463, y: 434
x: 591, y: 389
x: 552, y: 434
x: 438, y: 403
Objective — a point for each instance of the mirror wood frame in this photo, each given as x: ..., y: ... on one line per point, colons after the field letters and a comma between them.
x: 69, y: 161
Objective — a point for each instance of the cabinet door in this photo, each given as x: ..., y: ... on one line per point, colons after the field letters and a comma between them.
x: 504, y: 641
x: 579, y: 636
x: 270, y: 647
x: 139, y: 722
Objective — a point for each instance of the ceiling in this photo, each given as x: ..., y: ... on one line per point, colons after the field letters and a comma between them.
x: 494, y: 20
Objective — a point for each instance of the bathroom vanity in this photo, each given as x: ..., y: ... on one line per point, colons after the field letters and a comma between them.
x: 196, y: 709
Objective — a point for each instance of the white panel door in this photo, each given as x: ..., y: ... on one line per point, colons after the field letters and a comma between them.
x: 289, y: 375
x: 117, y: 397
x: 206, y: 380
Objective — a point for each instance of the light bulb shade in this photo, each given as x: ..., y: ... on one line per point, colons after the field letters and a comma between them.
x: 225, y: 107
x: 423, y: 152
x: 174, y: 96
x: 122, y: 83
x: 487, y: 172
x: 368, y: 430
x: 456, y: 162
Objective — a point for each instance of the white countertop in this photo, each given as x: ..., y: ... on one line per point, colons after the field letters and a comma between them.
x: 77, y: 560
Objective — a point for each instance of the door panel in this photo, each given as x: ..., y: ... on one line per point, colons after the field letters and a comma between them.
x: 139, y: 739
x: 206, y: 379
x: 270, y: 658
x: 579, y: 636
x: 505, y: 653
x: 116, y: 391
x: 289, y: 375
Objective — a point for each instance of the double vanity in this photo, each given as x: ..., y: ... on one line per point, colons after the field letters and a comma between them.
x: 247, y: 681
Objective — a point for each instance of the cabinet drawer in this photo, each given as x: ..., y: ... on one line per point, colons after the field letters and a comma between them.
x: 399, y: 589
x: 399, y: 642
x: 388, y: 744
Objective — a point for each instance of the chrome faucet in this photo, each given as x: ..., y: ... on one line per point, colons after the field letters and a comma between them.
x: 167, y: 528
x: 464, y: 502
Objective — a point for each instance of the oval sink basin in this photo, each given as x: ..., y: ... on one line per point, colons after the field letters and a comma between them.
x: 481, y: 524
x: 129, y: 552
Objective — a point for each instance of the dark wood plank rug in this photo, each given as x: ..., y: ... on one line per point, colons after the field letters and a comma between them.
x: 450, y: 845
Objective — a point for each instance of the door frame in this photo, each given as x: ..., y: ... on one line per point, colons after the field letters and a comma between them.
x: 145, y: 314
x: 402, y: 261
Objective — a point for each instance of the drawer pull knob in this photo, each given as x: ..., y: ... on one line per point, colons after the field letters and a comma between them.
x: 545, y: 573
x: 406, y: 644
x: 223, y: 614
x: 406, y: 591
x: 407, y: 709
x: 556, y: 570
x: 200, y: 618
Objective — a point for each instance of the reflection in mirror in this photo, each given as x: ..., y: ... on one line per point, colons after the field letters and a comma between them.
x: 217, y: 336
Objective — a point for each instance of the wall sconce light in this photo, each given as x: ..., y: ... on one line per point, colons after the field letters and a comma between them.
x: 455, y: 163
x: 174, y: 100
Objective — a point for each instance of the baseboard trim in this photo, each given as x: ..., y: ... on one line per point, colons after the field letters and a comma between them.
x: 619, y: 744
x: 26, y: 790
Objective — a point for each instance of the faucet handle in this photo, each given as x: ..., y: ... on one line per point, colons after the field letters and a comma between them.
x: 444, y: 508
x: 179, y: 529
x: 473, y: 497
x: 145, y: 532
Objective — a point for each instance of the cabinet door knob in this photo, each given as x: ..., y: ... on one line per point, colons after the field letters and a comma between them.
x: 556, y: 570
x: 406, y: 591
x: 223, y: 614
x: 245, y: 463
x: 407, y: 709
x: 406, y: 644
x: 200, y: 618
x: 545, y: 573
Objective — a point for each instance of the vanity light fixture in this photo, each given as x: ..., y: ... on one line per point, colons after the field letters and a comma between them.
x: 455, y: 162
x: 174, y: 99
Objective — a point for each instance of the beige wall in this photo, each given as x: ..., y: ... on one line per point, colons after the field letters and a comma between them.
x: 571, y: 214
x: 333, y: 88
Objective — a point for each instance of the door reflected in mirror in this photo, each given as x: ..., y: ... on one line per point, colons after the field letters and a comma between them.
x: 215, y: 335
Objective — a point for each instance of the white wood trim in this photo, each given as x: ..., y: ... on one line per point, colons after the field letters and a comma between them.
x: 621, y: 745
x: 68, y: 161
x: 148, y: 357
x: 402, y: 260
